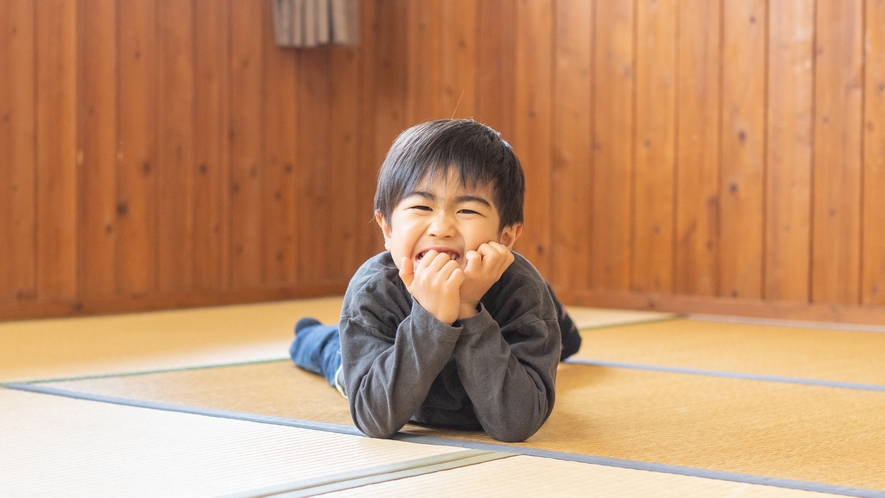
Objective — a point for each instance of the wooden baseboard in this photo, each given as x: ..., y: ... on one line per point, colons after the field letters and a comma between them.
x: 19, y: 310
x: 783, y: 310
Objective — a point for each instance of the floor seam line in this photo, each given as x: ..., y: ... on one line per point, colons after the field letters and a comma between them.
x: 376, y: 475
x: 147, y: 372
x: 730, y: 375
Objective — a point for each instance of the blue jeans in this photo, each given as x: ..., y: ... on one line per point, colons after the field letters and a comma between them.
x: 317, y: 349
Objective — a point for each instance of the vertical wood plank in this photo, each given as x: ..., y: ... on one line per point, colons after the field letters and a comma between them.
x: 175, y: 250
x: 789, y: 150
x: 458, y: 59
x: 97, y: 146
x: 532, y: 140
x: 873, y: 277
x: 697, y: 139
x: 389, y: 78
x: 496, y: 65
x: 837, y: 152
x: 613, y: 147
x: 17, y: 153
x: 424, y: 53
x: 57, y: 187
x: 137, y: 153
x: 313, y: 182
x: 246, y: 143
x: 370, y: 240
x: 655, y: 145
x: 572, y: 132
x: 281, y: 166
x: 352, y: 210
x: 211, y: 146
x: 743, y: 149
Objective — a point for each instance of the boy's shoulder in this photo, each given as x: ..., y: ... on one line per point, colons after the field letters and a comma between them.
x: 522, y: 273
x: 379, y: 267
x: 376, y: 286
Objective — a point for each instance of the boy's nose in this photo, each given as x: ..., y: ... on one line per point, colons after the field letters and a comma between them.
x: 442, y: 226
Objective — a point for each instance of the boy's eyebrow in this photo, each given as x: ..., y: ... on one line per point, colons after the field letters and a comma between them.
x: 458, y: 200
x: 472, y: 198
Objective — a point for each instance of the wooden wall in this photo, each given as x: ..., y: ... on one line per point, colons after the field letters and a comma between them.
x: 688, y: 155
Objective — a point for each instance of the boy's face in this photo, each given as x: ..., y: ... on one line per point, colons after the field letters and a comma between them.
x: 445, y: 216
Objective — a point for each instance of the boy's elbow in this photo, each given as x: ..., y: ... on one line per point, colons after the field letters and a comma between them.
x: 377, y: 432
x: 373, y: 427
x: 513, y: 434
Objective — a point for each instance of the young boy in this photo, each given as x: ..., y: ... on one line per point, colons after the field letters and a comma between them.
x: 448, y: 327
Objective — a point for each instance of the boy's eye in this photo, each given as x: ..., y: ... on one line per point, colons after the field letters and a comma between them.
x: 421, y: 208
x: 468, y: 211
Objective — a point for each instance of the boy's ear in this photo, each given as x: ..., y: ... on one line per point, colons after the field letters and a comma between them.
x: 509, y: 234
x: 385, y: 228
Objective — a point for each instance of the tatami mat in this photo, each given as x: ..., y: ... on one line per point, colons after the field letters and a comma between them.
x: 56, y: 446
x: 807, y: 353
x: 63, y: 447
x: 647, y: 392
x: 787, y: 431
x: 525, y: 476
x: 113, y: 344
x: 72, y: 347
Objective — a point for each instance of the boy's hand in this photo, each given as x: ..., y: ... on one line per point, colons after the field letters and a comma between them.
x: 485, y: 266
x: 435, y: 284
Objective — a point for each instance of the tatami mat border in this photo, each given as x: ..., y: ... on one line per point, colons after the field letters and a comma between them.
x: 730, y: 375
x: 145, y: 372
x: 748, y: 320
x: 153, y: 405
x: 501, y: 448
x: 630, y: 323
x: 375, y: 475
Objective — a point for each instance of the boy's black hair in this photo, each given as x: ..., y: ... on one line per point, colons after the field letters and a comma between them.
x: 476, y: 151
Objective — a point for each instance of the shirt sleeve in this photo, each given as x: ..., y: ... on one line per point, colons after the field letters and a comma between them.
x: 391, y: 359
x: 509, y: 371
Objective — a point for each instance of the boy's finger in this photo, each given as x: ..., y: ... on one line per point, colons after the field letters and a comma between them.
x: 406, y: 271
x: 457, y: 276
x: 474, y: 261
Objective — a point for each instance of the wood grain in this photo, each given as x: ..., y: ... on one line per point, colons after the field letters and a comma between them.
x: 572, y: 144
x: 137, y: 153
x: 835, y: 272
x: 17, y: 152
x: 160, y: 151
x: 742, y: 182
x: 280, y: 197
x: 612, y: 225
x: 212, y: 146
x: 697, y: 160
x: 175, y: 249
x: 246, y: 143
x: 789, y: 151
x: 655, y: 146
x: 873, y: 256
x: 532, y: 137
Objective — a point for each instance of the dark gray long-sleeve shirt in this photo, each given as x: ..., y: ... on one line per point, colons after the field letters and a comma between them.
x: 494, y: 371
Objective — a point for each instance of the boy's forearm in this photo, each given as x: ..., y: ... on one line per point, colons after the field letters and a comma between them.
x: 511, y: 386
x: 387, y: 383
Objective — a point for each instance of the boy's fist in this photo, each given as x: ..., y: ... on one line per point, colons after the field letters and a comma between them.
x: 484, y: 267
x: 435, y: 283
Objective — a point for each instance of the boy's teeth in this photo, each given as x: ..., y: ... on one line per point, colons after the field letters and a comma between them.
x: 451, y: 255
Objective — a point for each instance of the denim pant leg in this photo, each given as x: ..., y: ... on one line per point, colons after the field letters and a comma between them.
x: 317, y: 349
